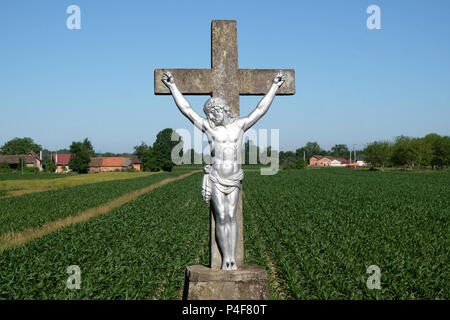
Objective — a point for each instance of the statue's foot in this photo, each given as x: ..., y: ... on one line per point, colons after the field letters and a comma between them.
x: 227, y: 265
x: 233, y: 265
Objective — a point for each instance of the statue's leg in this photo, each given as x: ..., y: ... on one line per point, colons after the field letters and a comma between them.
x: 230, y: 208
x: 218, y: 203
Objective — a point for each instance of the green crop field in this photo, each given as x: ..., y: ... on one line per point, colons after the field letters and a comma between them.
x: 34, y: 209
x: 321, y: 229
x: 315, y: 231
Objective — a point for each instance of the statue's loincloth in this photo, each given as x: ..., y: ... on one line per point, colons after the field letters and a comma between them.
x: 224, y: 185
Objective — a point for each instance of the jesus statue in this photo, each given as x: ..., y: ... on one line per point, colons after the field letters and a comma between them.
x: 223, y: 178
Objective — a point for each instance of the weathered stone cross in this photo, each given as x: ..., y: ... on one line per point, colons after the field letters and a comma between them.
x: 227, y: 81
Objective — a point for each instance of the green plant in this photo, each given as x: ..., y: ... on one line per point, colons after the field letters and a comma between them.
x: 4, y: 167
x: 49, y: 166
x: 30, y: 169
x: 138, y: 251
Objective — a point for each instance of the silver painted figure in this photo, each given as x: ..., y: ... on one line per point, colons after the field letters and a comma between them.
x: 222, y: 180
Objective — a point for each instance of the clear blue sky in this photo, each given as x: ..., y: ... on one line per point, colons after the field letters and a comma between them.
x: 354, y: 85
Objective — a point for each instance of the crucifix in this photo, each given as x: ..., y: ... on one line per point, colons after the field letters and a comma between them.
x: 225, y: 82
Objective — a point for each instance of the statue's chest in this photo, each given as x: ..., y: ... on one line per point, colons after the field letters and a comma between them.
x: 229, y: 135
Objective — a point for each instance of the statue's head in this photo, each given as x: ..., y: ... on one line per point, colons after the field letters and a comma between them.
x: 218, y: 110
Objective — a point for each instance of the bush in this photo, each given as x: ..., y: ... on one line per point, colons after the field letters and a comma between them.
x: 49, y: 166
x: 4, y: 167
x: 298, y: 164
x: 301, y: 164
x: 30, y: 169
x: 167, y: 165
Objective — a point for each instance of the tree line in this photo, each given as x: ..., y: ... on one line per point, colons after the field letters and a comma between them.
x: 299, y: 158
x: 154, y: 158
x: 431, y: 151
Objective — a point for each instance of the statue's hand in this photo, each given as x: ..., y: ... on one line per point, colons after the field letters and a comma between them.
x: 280, y: 78
x: 168, y: 79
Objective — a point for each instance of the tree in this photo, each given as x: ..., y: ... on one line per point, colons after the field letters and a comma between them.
x: 140, y: 150
x: 163, y: 146
x: 402, y: 152
x: 46, y: 155
x: 80, y: 157
x: 20, y: 146
x: 378, y: 153
x: 150, y: 160
x: 287, y: 157
x: 50, y: 166
x: 441, y: 149
x: 339, y: 151
x: 87, y: 145
x: 159, y: 156
x: 422, y: 152
x: 297, y: 164
x: 310, y: 149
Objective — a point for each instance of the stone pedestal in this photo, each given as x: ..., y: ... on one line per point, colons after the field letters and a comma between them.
x: 247, y: 283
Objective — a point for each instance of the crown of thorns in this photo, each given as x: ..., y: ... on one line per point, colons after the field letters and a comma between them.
x: 219, y: 103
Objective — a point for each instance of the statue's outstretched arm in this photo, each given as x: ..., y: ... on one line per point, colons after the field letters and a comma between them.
x: 181, y: 102
x: 265, y: 102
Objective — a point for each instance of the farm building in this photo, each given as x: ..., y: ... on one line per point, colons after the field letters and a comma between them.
x: 105, y: 164
x: 313, y: 160
x: 336, y: 163
x: 327, y: 161
x: 135, y: 162
x: 30, y: 160
x: 320, y: 161
x: 61, y: 160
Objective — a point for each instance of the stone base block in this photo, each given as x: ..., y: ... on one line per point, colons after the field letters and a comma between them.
x: 247, y: 283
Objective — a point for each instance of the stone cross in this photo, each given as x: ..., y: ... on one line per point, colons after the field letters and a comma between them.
x: 227, y: 81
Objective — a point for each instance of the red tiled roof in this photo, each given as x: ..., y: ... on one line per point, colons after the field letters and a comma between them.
x: 63, y: 158
x: 112, y: 161
x: 343, y: 160
x: 96, y: 162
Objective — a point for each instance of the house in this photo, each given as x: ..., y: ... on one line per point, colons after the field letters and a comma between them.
x: 95, y: 164
x: 61, y: 160
x: 313, y: 160
x: 325, y: 161
x: 336, y: 163
x: 136, y: 162
x: 30, y: 160
x: 343, y: 161
x: 106, y: 164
